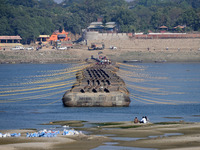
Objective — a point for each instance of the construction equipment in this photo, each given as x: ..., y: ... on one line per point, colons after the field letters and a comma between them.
x: 96, y: 46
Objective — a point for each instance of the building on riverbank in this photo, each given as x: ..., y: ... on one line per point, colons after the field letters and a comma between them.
x: 10, y: 40
x: 43, y: 39
x: 109, y: 27
x: 61, y: 36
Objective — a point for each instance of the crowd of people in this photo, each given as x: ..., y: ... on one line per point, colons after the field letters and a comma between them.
x: 143, y: 120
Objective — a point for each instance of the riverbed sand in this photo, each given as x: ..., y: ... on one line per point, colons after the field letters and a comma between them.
x: 47, y: 55
x: 169, y: 136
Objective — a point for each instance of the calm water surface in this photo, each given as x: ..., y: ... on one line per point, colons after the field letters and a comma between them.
x: 30, y: 94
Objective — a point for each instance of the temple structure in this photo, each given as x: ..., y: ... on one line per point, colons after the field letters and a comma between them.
x: 59, y: 36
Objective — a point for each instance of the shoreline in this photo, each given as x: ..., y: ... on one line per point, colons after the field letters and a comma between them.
x: 46, y: 56
x: 126, y: 134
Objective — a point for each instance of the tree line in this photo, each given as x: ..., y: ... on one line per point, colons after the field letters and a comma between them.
x: 31, y: 18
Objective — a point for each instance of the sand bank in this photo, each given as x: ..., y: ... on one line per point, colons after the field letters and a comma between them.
x: 168, y: 135
x: 79, y: 55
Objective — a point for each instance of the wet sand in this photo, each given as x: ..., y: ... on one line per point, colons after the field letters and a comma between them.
x: 166, y: 135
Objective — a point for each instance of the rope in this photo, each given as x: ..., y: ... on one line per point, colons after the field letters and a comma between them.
x: 50, y: 103
x: 54, y: 77
x: 140, y: 100
x: 39, y: 88
x: 153, y: 101
x: 32, y: 97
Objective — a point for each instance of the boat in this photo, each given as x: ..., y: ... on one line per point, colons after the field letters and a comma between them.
x: 160, y: 61
x: 98, y: 86
x: 132, y: 61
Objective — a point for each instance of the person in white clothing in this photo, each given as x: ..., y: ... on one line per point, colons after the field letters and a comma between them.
x: 143, y: 120
x: 147, y: 119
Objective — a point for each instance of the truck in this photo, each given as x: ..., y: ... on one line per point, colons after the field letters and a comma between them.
x: 96, y: 46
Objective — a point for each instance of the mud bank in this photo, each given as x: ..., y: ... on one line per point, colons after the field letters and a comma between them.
x: 163, y: 135
x: 79, y: 55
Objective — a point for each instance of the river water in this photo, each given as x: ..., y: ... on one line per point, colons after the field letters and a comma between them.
x: 30, y: 94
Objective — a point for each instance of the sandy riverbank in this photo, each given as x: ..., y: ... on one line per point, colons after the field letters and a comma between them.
x: 168, y: 135
x: 79, y: 55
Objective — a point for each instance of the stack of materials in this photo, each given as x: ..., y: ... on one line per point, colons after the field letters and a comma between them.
x: 71, y: 132
x: 43, y: 133
x: 10, y: 135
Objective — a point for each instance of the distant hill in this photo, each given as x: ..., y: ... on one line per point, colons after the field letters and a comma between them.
x: 59, y: 1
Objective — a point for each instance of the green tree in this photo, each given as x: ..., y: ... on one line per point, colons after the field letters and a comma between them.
x: 29, y: 18
x: 5, y: 28
x: 190, y: 19
x: 27, y: 3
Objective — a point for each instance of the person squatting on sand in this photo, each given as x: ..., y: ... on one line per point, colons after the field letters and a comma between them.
x: 136, y: 120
